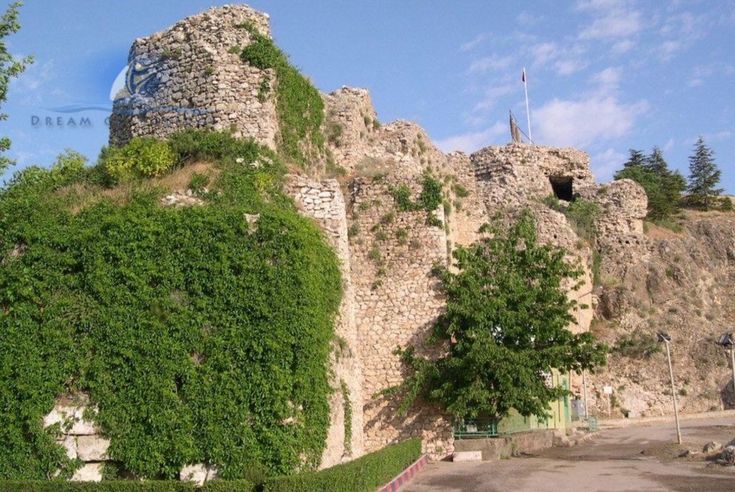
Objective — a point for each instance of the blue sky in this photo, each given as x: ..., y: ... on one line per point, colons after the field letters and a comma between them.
x: 604, y: 75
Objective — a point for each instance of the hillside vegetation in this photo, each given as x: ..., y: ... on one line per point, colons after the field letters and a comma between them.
x: 165, y: 316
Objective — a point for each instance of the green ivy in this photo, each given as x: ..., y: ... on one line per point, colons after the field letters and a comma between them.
x: 198, y: 337
x: 347, y: 407
x: 299, y: 105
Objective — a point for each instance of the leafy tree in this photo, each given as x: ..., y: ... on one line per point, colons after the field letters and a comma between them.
x: 505, y: 326
x: 663, y: 186
x: 10, y: 67
x: 703, y: 176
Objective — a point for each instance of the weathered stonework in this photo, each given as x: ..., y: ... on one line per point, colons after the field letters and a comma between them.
x: 190, y: 76
x: 325, y: 203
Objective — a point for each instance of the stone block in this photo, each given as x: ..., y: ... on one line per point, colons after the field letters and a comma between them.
x: 69, y: 443
x: 460, y: 456
x: 197, y: 473
x: 92, y: 448
x: 89, y: 472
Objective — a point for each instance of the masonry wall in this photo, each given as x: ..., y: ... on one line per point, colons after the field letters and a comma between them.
x: 187, y: 77
x: 324, y: 202
x: 397, y: 300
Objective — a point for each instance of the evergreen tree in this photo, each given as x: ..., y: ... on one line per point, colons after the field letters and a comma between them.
x: 663, y: 186
x: 703, y: 176
x: 10, y: 67
x: 636, y: 159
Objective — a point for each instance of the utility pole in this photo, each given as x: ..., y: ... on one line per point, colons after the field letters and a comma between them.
x: 584, y: 392
x: 528, y: 112
x: 728, y: 341
x: 664, y: 337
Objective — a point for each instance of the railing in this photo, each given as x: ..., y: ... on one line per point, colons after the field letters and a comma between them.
x: 475, y: 429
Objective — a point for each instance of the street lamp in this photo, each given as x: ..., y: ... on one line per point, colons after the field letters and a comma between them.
x: 728, y: 341
x: 666, y: 338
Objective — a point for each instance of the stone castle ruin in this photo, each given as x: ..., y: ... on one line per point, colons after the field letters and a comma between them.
x: 189, y: 76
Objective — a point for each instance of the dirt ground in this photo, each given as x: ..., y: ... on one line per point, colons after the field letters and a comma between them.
x: 635, y: 458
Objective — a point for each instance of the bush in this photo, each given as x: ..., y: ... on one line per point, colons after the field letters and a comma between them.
x: 105, y: 486
x: 229, y: 486
x: 726, y: 204
x: 637, y: 345
x: 200, y: 145
x: 142, y: 157
x: 363, y: 474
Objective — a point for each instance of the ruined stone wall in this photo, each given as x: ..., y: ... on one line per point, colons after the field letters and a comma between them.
x: 351, y: 125
x: 191, y: 76
x: 397, y: 301
x: 514, y: 174
x: 324, y: 202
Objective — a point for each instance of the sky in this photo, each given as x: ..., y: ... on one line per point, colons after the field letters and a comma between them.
x: 603, y: 75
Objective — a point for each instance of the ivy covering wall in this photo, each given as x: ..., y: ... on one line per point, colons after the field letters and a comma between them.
x: 198, y: 336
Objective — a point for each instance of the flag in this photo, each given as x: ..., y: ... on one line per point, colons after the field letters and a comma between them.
x: 523, y: 76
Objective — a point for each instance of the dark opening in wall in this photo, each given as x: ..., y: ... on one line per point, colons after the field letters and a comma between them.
x: 562, y: 186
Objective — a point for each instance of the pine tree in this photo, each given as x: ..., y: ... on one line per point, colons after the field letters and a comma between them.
x: 703, y: 176
x: 663, y: 186
x: 10, y: 67
x: 635, y: 159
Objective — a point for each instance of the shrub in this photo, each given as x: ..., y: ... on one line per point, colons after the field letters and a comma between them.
x: 402, y: 197
x: 201, y: 145
x: 431, y: 193
x: 105, y: 486
x: 726, y: 204
x: 363, y: 474
x: 637, y: 345
x: 142, y: 157
x: 229, y: 486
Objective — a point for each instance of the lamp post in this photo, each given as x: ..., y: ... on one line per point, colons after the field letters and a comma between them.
x: 666, y: 338
x: 728, y: 341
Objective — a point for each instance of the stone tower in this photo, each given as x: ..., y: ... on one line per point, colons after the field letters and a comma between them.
x: 191, y: 76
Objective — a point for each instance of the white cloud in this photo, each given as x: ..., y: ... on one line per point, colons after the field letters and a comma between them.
x: 667, y: 49
x: 604, y: 164
x: 584, y: 121
x: 528, y: 19
x: 570, y: 66
x: 31, y: 85
x: 614, y: 24
x: 473, y: 43
x: 608, y: 80
x: 494, y: 93
x: 622, y: 47
x: 493, y: 63
x: 472, y: 141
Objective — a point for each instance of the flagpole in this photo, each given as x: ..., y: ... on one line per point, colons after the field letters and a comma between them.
x: 528, y: 112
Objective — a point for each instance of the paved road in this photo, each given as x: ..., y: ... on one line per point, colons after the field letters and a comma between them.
x: 636, y: 458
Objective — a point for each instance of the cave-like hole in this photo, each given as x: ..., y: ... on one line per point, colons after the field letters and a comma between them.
x: 562, y: 186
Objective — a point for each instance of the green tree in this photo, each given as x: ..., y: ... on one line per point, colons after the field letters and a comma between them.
x: 663, y: 186
x: 703, y: 176
x: 10, y: 67
x: 505, y: 326
x: 635, y: 158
